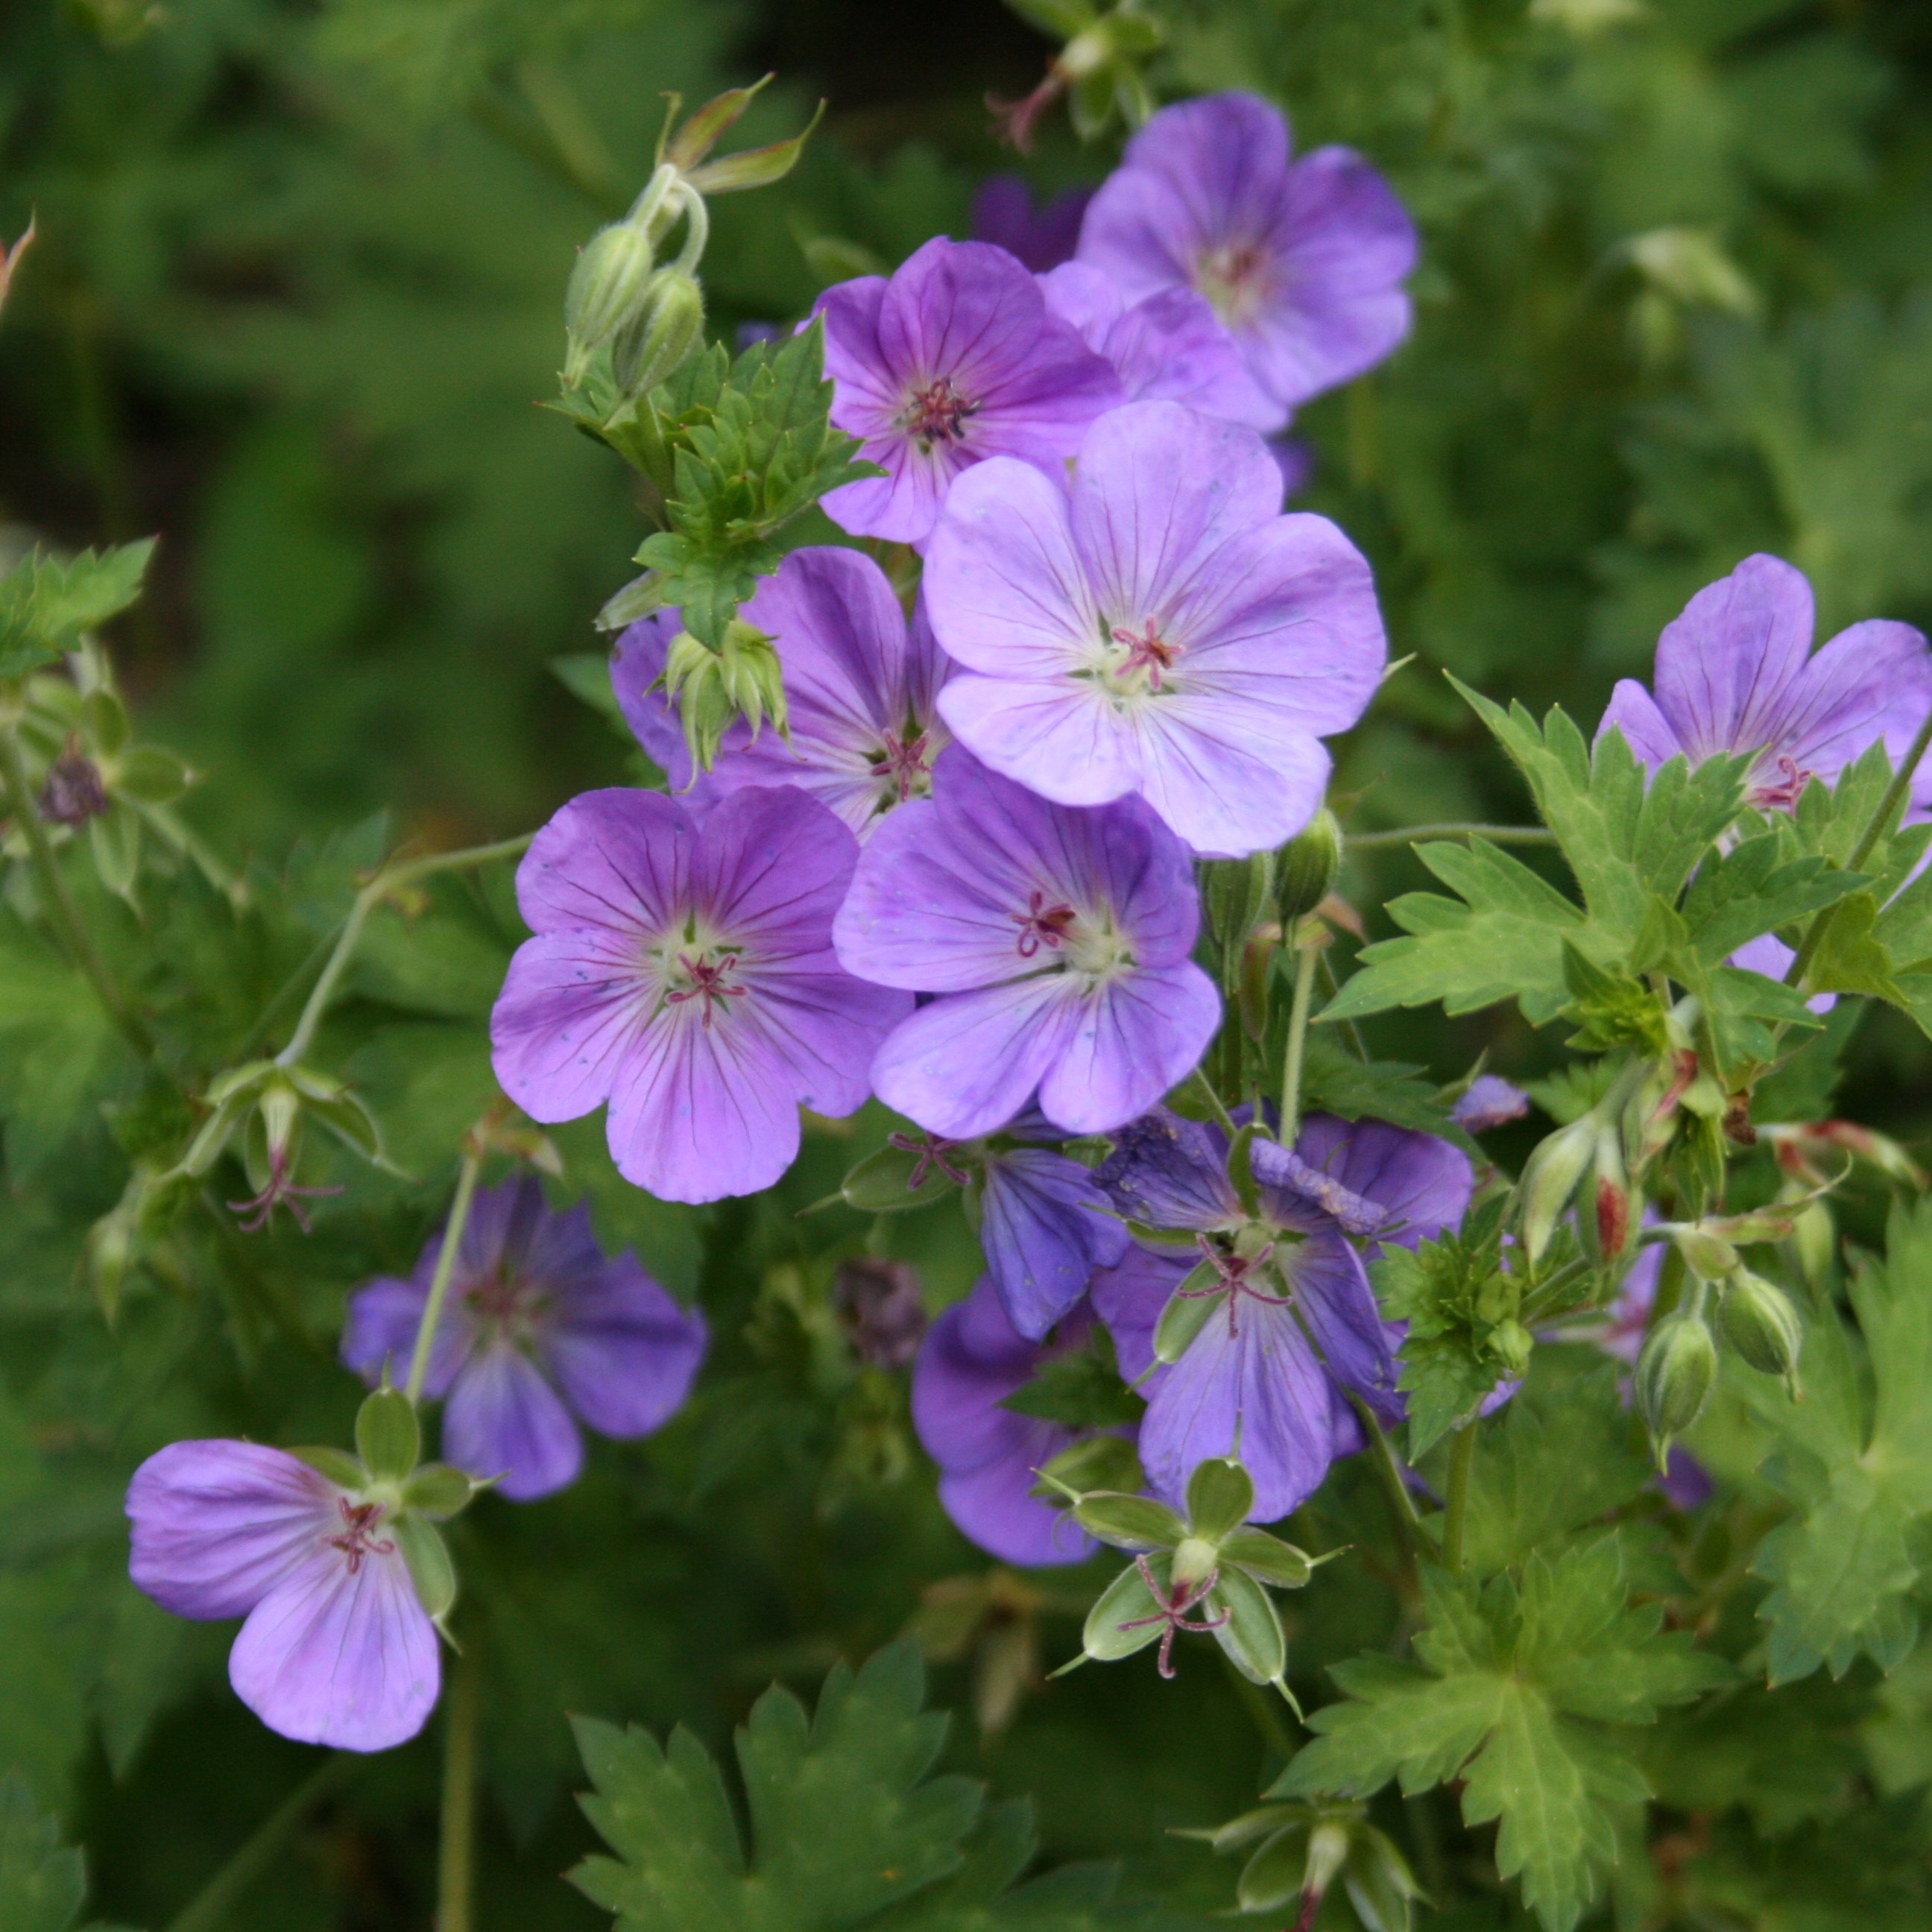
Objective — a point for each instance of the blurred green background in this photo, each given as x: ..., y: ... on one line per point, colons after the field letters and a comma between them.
x: 297, y: 293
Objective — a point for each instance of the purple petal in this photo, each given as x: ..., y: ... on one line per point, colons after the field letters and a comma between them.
x: 216, y: 1524
x: 1134, y: 1040
x: 1044, y: 1228
x: 569, y: 1016
x: 615, y: 861
x: 1130, y: 1298
x: 339, y: 1656
x: 1422, y: 1184
x: 1768, y: 955
x: 1331, y: 1289
x: 1168, y: 1171
x: 503, y: 1419
x: 1870, y: 681
x: 379, y: 1331
x: 1003, y: 213
x: 624, y: 1353
x: 1224, y: 156
x: 1489, y: 1101
x: 1633, y: 712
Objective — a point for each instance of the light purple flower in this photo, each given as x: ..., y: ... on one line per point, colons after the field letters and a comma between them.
x: 861, y: 683
x: 1167, y: 348
x: 1488, y: 1101
x: 336, y: 1648
x: 683, y: 972
x: 955, y: 358
x: 1003, y: 214
x: 541, y: 1329
x: 1297, y: 1327
x: 1161, y: 630
x: 1057, y: 940
x: 1735, y: 673
x: 972, y: 1360
x: 1303, y: 260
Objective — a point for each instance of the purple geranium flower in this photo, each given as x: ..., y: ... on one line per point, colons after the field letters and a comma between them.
x: 1168, y: 348
x: 861, y: 683
x: 955, y: 358
x: 1044, y: 1227
x: 1735, y: 673
x: 1003, y: 214
x: 683, y: 972
x: 541, y: 1327
x: 1162, y: 629
x: 336, y: 1648
x: 1058, y: 942
x: 1294, y: 1326
x: 973, y: 1359
x: 1303, y: 260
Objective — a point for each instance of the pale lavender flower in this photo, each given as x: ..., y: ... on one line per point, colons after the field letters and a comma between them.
x: 1057, y: 941
x: 1303, y: 261
x: 1735, y: 673
x: 542, y: 1330
x: 1295, y: 1327
x: 1161, y: 630
x: 1489, y: 1101
x: 683, y: 972
x: 1003, y: 214
x: 973, y: 1359
x: 955, y: 358
x: 1168, y: 347
x: 336, y: 1648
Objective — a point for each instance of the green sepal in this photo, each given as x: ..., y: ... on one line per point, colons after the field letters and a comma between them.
x: 1251, y: 1636
x: 1187, y: 1313
x: 1220, y: 1493
x: 439, y: 1490
x: 389, y: 1438
x: 147, y: 774
x: 114, y: 843
x: 1268, y: 1559
x: 1128, y: 1522
x: 881, y: 1183
x: 1126, y: 1600
x: 431, y: 1570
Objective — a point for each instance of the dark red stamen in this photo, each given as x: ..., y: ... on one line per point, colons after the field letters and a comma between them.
x: 932, y: 1151
x: 281, y: 1191
x: 710, y: 981
x: 1174, y: 1602
x: 358, y: 1540
x: 1780, y: 794
x: 1147, y: 650
x: 936, y: 413
x: 1232, y: 1274
x: 1014, y: 120
x: 904, y: 761
x: 1041, y: 924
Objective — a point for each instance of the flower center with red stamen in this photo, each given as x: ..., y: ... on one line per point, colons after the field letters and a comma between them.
x: 932, y: 1151
x: 936, y: 413
x: 903, y: 762
x: 1148, y: 652
x: 1043, y: 925
x: 1173, y: 1604
x: 359, y: 1539
x: 1233, y: 1277
x: 708, y: 980
x: 1775, y: 787
x: 1237, y: 278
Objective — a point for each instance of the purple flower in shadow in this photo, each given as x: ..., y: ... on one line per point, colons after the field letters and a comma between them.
x: 1303, y: 261
x: 1003, y: 214
x: 336, y: 1648
x: 682, y: 971
x: 955, y: 359
x: 1057, y: 942
x: 542, y: 1330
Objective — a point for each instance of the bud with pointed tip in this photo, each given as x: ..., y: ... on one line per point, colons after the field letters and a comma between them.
x: 1234, y: 895
x: 1612, y: 1210
x: 1814, y: 1235
x: 714, y: 689
x: 1760, y: 1323
x: 1307, y: 867
x: 1675, y: 1376
x: 653, y: 342
x: 612, y: 270
x: 1550, y: 1177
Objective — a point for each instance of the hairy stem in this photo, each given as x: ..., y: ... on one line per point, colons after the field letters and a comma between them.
x: 60, y: 905
x: 211, y: 1907
x: 1456, y: 1516
x: 446, y: 1267
x: 1297, y: 1041
x: 1402, y: 1505
x: 388, y: 879
x: 456, y: 1849
x: 1413, y: 835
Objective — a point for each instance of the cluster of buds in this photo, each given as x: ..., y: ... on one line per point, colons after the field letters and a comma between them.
x: 649, y: 315
x: 713, y: 689
x: 1300, y: 1849
x: 1254, y: 904
x: 1210, y: 1574
x: 1098, y: 69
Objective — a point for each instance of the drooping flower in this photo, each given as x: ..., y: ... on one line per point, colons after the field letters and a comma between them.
x: 1039, y: 238
x: 1161, y: 630
x: 954, y: 359
x: 541, y: 1329
x: 682, y: 971
x: 1735, y: 673
x: 1303, y: 260
x: 1290, y: 1325
x: 1057, y: 942
x: 1044, y: 1227
x: 336, y: 1648
x: 1169, y: 347
x: 861, y: 683
x: 973, y: 1359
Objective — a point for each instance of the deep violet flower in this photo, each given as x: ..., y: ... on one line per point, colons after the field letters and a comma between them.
x: 1044, y: 1228
x: 541, y: 1329
x: 955, y: 358
x: 1057, y: 940
x: 1287, y: 1282
x: 860, y: 681
x: 336, y: 1648
x: 1735, y: 673
x: 683, y: 972
x: 1168, y: 347
x: 1303, y: 260
x: 1161, y: 630
x: 973, y: 1359
x: 1042, y: 239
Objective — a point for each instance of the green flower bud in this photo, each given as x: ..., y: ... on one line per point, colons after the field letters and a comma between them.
x: 1815, y: 1236
x: 606, y: 286
x: 713, y: 689
x: 1708, y: 1256
x: 1760, y: 1323
x: 1675, y: 1376
x: 1510, y: 1342
x: 1610, y: 1213
x: 1550, y: 1177
x: 1234, y: 895
x: 1307, y: 867
x: 655, y: 341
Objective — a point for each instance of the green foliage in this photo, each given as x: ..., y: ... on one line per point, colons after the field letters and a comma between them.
x: 1513, y: 1691
x: 45, y: 605
x: 41, y: 1882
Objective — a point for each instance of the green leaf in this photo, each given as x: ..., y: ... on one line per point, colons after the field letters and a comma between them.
x: 1511, y: 1691
x: 45, y: 606
x: 41, y: 1882
x: 1081, y: 1391
x: 1334, y: 1082
x: 1855, y: 1457
x: 1754, y: 889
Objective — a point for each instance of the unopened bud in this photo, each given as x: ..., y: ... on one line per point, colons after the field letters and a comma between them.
x: 606, y: 286
x: 1610, y: 1213
x: 1815, y: 1236
x: 1510, y: 1343
x: 1760, y: 1323
x: 1675, y: 1376
x: 1307, y: 867
x: 1328, y: 1846
x: 1708, y: 1256
x: 74, y: 792
x: 653, y: 342
x: 1550, y: 1177
x: 1235, y: 895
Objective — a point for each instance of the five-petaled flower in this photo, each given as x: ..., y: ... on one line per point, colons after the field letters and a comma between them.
x: 541, y: 1327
